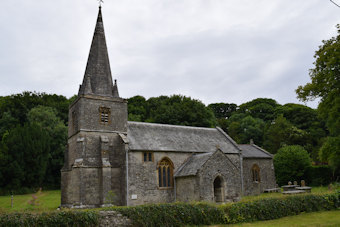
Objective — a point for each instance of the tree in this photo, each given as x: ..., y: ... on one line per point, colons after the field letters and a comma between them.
x: 179, y: 110
x: 137, y: 108
x: 20, y: 104
x: 261, y: 108
x: 223, y: 110
x: 47, y: 119
x: 301, y: 116
x: 306, y: 119
x: 325, y: 83
x: 7, y: 122
x: 26, y: 150
x: 291, y: 163
x: 280, y: 133
x: 330, y: 152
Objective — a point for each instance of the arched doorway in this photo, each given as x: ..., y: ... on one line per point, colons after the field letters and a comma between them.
x: 218, y: 190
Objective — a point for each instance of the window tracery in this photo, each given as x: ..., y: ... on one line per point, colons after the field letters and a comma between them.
x: 165, y: 173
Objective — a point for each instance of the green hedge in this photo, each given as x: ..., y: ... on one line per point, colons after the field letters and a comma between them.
x: 173, y: 214
x: 179, y: 214
x: 56, y: 218
x: 273, y: 208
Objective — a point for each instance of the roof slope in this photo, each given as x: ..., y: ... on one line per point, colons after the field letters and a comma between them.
x: 253, y: 151
x: 194, y: 163
x: 162, y: 137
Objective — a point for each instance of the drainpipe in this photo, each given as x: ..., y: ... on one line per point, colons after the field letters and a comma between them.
x: 127, y: 173
x: 241, y: 170
x: 175, y: 187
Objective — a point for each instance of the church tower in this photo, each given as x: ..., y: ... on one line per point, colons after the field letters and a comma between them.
x: 94, y: 167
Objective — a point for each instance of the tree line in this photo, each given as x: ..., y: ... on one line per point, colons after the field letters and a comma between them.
x: 33, y: 126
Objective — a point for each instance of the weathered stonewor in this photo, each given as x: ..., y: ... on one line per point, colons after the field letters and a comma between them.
x: 110, y: 160
x: 113, y: 218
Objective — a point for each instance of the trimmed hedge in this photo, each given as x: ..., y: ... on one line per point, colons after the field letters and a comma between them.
x: 173, y: 214
x: 273, y: 208
x: 179, y: 214
x: 56, y: 218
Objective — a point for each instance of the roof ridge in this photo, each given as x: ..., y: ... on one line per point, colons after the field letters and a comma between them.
x: 179, y: 126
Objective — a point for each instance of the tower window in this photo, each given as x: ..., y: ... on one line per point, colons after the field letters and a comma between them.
x: 165, y: 173
x: 104, y: 114
x: 256, y: 173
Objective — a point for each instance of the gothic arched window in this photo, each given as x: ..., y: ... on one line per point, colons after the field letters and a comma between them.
x: 165, y: 173
x: 256, y: 173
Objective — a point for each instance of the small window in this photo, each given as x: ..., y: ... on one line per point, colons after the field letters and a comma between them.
x: 104, y: 113
x: 256, y: 173
x: 165, y: 173
x: 148, y: 157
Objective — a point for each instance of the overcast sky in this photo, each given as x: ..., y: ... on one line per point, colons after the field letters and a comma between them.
x: 229, y: 51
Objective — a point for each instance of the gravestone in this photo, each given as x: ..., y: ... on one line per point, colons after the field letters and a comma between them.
x: 303, y: 183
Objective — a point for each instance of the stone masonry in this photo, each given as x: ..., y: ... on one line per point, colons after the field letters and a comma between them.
x: 110, y: 160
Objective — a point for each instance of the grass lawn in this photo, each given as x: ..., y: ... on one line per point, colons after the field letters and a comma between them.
x: 315, y: 219
x: 46, y: 200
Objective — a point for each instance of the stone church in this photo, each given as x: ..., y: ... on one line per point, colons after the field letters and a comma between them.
x: 110, y: 160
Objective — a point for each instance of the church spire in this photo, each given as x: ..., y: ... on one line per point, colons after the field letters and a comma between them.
x: 97, y: 79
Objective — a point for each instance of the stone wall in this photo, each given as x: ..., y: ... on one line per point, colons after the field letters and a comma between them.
x: 84, y: 114
x: 143, y: 177
x: 187, y: 189
x: 113, y: 219
x: 267, y: 176
x: 226, y: 166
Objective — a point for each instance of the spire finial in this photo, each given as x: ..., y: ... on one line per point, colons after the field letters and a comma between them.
x: 100, y: 3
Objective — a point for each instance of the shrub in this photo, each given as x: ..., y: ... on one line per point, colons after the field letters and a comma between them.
x: 56, y: 218
x: 291, y: 163
x: 273, y: 208
x: 175, y: 214
x: 180, y: 214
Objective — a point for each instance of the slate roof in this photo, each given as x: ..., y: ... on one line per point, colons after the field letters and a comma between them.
x: 253, y: 151
x: 194, y: 163
x: 161, y: 137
